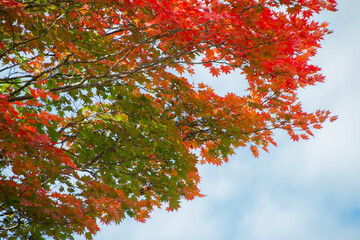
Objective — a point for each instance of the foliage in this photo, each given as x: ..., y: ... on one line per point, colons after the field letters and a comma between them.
x: 98, y: 121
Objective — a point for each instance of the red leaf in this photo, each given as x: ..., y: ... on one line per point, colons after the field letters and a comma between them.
x: 255, y: 151
x: 215, y: 71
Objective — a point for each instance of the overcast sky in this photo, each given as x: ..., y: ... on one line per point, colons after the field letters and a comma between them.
x: 309, y: 190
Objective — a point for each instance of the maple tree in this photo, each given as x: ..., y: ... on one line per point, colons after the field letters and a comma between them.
x: 98, y: 120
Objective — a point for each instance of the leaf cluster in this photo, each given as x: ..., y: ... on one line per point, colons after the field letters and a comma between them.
x: 98, y: 121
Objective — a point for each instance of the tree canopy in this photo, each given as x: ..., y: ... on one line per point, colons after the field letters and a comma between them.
x: 98, y: 121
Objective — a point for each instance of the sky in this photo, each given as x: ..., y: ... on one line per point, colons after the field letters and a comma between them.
x: 300, y: 190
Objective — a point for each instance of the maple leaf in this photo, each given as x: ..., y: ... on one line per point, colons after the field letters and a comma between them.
x: 225, y: 69
x: 333, y: 118
x: 255, y: 151
x: 215, y: 71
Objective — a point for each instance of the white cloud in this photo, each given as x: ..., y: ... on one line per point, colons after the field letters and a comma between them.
x: 193, y: 221
x: 291, y: 217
